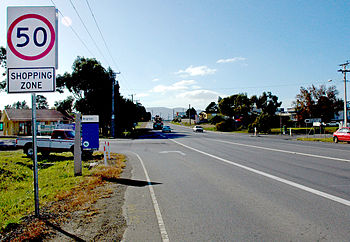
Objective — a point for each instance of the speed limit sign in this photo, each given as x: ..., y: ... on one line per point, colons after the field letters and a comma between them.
x: 31, y: 49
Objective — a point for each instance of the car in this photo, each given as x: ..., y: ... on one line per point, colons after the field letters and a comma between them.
x: 197, y: 128
x: 342, y: 134
x: 166, y: 129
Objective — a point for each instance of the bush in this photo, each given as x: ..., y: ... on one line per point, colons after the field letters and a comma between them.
x: 216, y: 119
x: 263, y: 123
x: 226, y: 125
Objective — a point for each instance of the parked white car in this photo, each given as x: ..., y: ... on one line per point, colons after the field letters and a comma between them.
x: 197, y: 128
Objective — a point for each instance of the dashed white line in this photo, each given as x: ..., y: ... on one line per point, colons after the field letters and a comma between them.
x: 164, y: 234
x: 276, y: 178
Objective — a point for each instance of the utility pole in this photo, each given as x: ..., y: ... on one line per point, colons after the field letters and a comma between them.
x: 113, y: 103
x: 189, y: 112
x: 344, y: 71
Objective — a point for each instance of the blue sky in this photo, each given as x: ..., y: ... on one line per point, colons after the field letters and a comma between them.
x: 175, y: 53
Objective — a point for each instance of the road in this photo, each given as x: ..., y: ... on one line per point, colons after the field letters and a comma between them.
x: 235, y: 187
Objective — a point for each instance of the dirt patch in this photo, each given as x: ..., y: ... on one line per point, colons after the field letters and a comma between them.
x: 103, y: 221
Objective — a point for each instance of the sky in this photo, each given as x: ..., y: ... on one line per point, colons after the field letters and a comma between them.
x: 175, y: 53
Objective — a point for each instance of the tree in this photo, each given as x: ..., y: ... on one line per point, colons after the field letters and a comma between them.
x: 3, y: 65
x: 313, y: 102
x: 191, y: 112
x: 18, y: 105
x: 91, y: 86
x: 212, y: 108
x: 41, y: 102
x: 238, y: 105
x: 268, y: 104
x: 65, y: 105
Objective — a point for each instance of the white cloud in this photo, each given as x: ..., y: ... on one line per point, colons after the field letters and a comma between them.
x: 230, y: 60
x: 198, y: 94
x: 66, y: 21
x: 197, y: 71
x: 198, y: 98
x: 177, y: 86
x: 142, y: 95
x: 155, y: 80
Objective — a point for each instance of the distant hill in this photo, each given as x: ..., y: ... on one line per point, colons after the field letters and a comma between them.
x: 166, y: 113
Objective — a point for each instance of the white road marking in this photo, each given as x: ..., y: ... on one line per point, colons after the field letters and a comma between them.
x: 164, y: 234
x: 172, y: 151
x: 283, y: 151
x: 276, y: 178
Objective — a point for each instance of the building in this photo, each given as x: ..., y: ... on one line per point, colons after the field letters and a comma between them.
x: 206, y: 115
x: 19, y: 121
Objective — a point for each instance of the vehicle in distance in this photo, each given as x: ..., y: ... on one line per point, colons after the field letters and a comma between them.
x: 166, y: 129
x: 342, y: 134
x: 61, y: 140
x: 157, y: 123
x: 197, y: 128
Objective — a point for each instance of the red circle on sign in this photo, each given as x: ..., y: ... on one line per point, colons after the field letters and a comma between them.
x: 35, y: 57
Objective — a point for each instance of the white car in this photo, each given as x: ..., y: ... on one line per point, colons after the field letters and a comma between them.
x: 197, y: 128
x: 166, y: 129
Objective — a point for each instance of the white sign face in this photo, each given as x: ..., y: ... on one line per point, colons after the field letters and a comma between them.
x: 89, y: 119
x: 31, y: 49
x: 31, y: 80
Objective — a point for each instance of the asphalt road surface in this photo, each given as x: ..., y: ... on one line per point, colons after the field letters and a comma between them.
x: 235, y: 187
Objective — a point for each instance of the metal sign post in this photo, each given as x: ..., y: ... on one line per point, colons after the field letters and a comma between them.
x: 77, y: 146
x: 35, y: 157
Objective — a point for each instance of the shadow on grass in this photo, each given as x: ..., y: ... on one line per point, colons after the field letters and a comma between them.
x: 50, y: 160
x: 133, y: 183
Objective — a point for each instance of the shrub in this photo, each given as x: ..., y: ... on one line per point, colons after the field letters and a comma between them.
x: 226, y: 125
x: 216, y: 119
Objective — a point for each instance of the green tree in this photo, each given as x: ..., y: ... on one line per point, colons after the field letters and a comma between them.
x: 65, y: 105
x: 212, y: 108
x: 41, y: 102
x: 238, y: 106
x: 91, y: 85
x: 268, y: 104
x: 3, y: 65
x: 191, y: 112
x: 18, y: 105
x: 317, y: 102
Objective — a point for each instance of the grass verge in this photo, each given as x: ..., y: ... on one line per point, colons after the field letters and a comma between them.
x: 60, y: 192
x: 317, y: 139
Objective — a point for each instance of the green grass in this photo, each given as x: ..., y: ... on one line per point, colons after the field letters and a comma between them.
x: 16, y: 182
x: 304, y: 130
x: 317, y: 139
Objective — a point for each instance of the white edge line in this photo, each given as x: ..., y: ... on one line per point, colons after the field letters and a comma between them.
x: 161, y: 225
x: 302, y: 187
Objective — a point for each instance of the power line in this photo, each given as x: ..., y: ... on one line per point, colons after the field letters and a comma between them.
x: 71, y: 27
x: 99, y: 30
x: 76, y: 11
x: 104, y: 41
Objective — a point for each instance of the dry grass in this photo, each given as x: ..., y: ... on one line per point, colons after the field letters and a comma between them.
x: 81, y: 197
